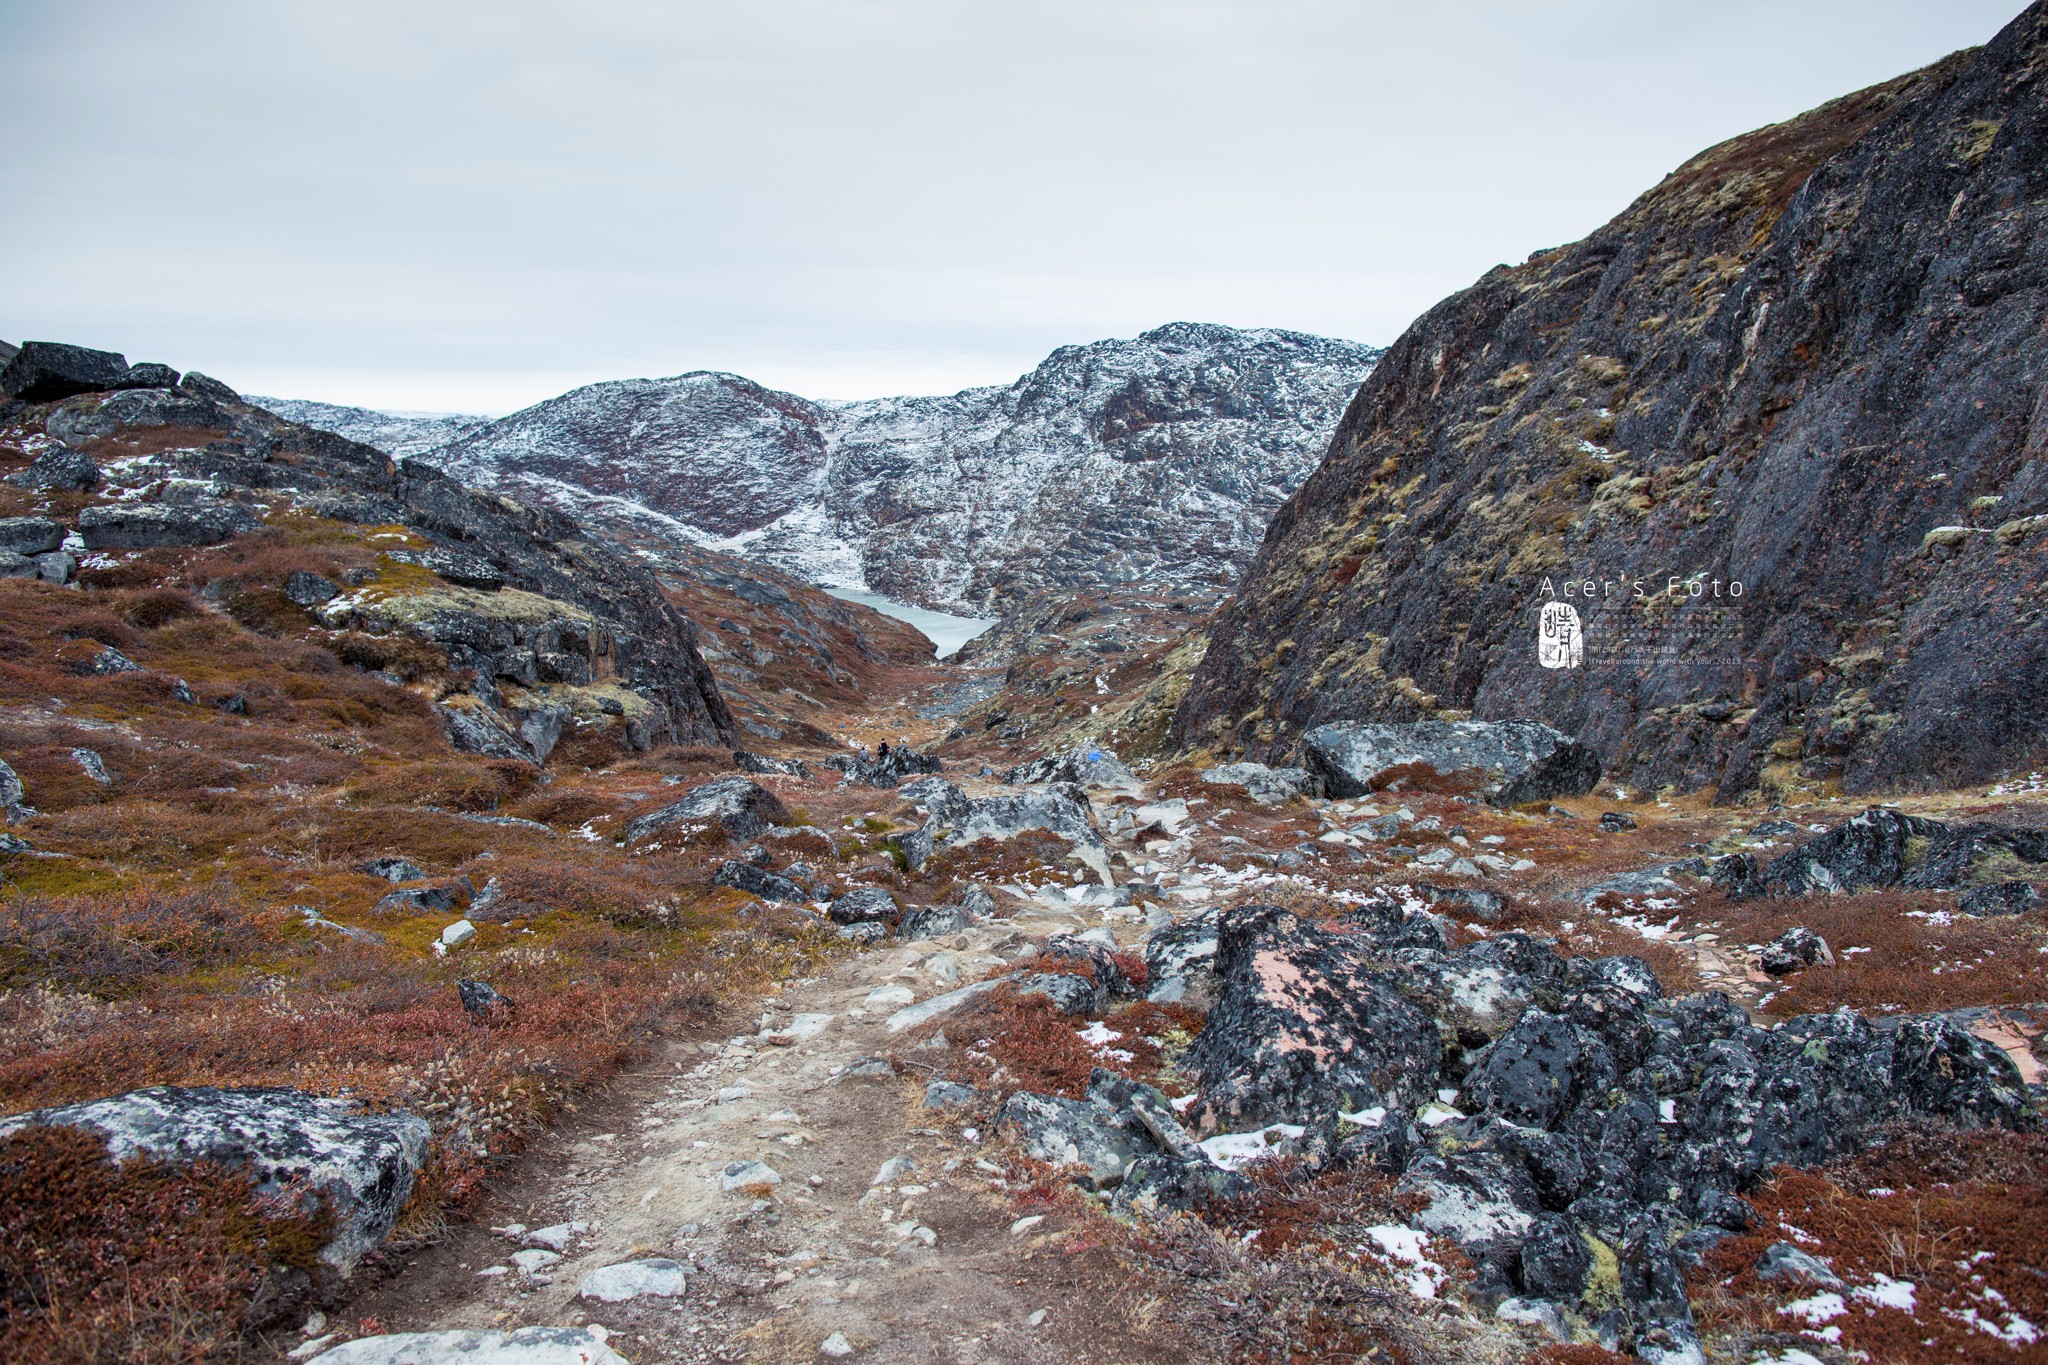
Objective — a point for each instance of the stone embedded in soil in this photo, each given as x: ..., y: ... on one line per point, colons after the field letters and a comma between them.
x: 864, y: 905
x: 1783, y: 1261
x: 1267, y: 786
x: 748, y: 1177
x: 957, y: 820
x: 286, y: 1139
x: 651, y: 1277
x: 527, y: 1346
x: 1794, y: 949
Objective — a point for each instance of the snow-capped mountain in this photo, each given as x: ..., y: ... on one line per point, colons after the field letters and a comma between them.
x: 394, y: 433
x: 1155, y: 461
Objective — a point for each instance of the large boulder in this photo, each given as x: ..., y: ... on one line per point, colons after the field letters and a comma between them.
x: 1102, y: 1137
x: 1306, y: 1023
x: 1506, y: 762
x: 957, y: 820
x: 290, y: 1142
x: 45, y: 371
x: 758, y: 881
x: 29, y: 535
x: 886, y: 770
x: 1082, y: 767
x: 742, y: 808
x: 137, y: 526
x: 60, y: 468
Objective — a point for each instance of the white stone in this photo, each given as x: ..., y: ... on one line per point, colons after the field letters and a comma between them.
x: 1024, y: 1225
x: 534, y: 1260
x: 892, y: 1170
x: 741, y: 1176
x: 527, y: 1346
x: 654, y: 1277
x: 458, y: 933
x: 835, y: 1346
x: 889, y: 997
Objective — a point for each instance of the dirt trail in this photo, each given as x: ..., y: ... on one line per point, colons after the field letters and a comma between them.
x: 923, y: 1265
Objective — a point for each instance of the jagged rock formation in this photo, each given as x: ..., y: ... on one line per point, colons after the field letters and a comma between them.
x: 1810, y: 363
x: 398, y: 434
x: 1153, y: 461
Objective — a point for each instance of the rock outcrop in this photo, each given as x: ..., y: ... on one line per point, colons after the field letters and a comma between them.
x: 292, y: 1143
x: 552, y: 628
x: 1593, y: 1121
x: 1805, y: 369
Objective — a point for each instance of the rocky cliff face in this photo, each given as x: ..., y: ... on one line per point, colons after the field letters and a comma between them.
x: 1148, y: 462
x: 1777, y: 435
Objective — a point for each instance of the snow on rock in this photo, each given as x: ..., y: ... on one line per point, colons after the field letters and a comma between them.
x: 1154, y: 461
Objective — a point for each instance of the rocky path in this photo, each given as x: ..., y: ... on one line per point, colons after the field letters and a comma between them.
x: 815, y: 1207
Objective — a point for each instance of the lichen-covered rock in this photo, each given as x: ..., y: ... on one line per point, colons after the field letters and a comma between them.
x: 865, y: 905
x: 1507, y: 762
x: 1267, y: 786
x: 60, y: 468
x: 758, y: 881
x: 1060, y: 810
x: 1082, y: 768
x: 887, y: 770
x: 1882, y: 847
x: 1305, y: 1025
x: 2001, y: 898
x: 742, y: 808
x: 1794, y: 949
x: 30, y: 535
x: 932, y: 921
x: 1180, y: 958
x: 288, y: 1140
x: 132, y: 526
x: 762, y: 763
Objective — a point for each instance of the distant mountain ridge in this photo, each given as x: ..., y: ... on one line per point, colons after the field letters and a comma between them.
x: 397, y: 434
x: 1153, y: 461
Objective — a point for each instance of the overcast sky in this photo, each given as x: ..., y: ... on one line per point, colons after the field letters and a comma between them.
x: 466, y: 206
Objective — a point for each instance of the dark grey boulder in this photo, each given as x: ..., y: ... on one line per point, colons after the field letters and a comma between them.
x: 1793, y: 950
x: 148, y: 374
x: 867, y: 932
x: 30, y: 535
x: 762, y: 763
x: 886, y: 771
x: 482, y: 1002
x: 756, y: 881
x: 864, y: 905
x: 464, y: 568
x: 45, y: 371
x: 59, y: 568
x: 291, y: 1142
x: 1881, y: 847
x: 1616, y: 822
x: 13, y: 565
x: 208, y: 387
x: 743, y: 809
x: 1463, y: 902
x: 309, y: 589
x: 1083, y: 767
x: 135, y: 526
x: 1070, y: 994
x: 932, y: 921
x: 2001, y: 898
x: 1304, y: 1026
x: 480, y: 730
x: 1506, y: 762
x: 60, y: 468
x: 105, y: 664
x: 1098, y: 1138
x: 417, y: 900
x: 76, y: 424
x: 1100, y: 960
x: 393, y: 870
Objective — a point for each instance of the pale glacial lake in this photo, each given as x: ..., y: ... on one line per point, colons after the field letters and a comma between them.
x: 947, y: 632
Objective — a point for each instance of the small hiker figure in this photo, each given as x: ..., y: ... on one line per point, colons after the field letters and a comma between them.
x: 882, y: 754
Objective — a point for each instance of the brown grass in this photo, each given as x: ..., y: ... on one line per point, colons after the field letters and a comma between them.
x: 1969, y: 1245
x: 140, y: 1263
